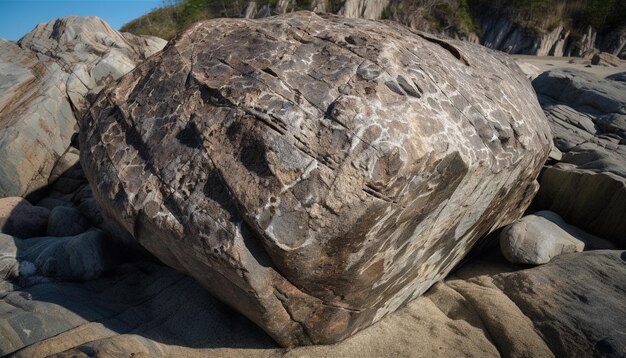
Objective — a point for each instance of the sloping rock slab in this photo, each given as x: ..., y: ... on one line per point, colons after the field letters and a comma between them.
x: 147, y: 310
x: 576, y: 302
x: 315, y: 172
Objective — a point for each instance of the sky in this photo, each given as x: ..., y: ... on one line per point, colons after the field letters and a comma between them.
x: 18, y: 17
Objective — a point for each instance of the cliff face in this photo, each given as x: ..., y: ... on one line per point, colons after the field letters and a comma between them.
x: 513, y: 26
x: 502, y: 34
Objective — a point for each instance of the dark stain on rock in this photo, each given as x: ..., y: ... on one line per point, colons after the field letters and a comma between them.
x: 356, y: 41
x: 453, y: 50
x: 233, y: 130
x: 270, y: 72
x: 252, y: 156
x: 215, y: 190
x: 408, y: 88
x: 132, y: 136
x: 214, y: 96
x: 395, y: 88
x: 190, y: 136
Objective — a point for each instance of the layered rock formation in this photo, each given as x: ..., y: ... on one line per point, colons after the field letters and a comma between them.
x: 47, y: 80
x: 315, y: 172
x: 148, y: 310
x: 588, y: 118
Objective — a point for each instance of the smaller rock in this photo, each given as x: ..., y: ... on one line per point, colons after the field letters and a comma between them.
x: 76, y: 258
x: 66, y: 221
x: 51, y: 203
x: 531, y: 71
x: 20, y: 218
x: 555, y: 153
x: 536, y: 239
x: 605, y: 59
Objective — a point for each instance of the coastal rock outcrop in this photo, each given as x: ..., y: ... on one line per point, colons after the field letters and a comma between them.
x: 47, y: 80
x: 588, y: 118
x: 572, y: 315
x: 315, y: 172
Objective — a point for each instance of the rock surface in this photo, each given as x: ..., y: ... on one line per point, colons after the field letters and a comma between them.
x: 75, y: 258
x: 318, y: 170
x: 605, y: 59
x: 66, y: 221
x: 588, y: 118
x: 536, y: 239
x: 47, y: 81
x: 20, y: 218
x: 145, y: 309
x: 576, y: 302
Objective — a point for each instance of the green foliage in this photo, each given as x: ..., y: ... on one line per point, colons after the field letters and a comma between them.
x: 160, y: 22
x: 166, y: 21
x: 464, y: 14
x: 536, y: 16
x: 303, y: 4
x: 601, y: 14
x: 191, y: 11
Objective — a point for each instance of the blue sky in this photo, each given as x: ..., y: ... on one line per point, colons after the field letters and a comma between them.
x: 17, y: 17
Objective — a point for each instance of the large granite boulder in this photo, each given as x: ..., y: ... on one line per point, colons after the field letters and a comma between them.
x: 315, y: 172
x: 588, y: 118
x: 47, y: 80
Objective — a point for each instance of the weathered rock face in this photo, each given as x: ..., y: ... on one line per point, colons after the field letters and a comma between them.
x: 46, y: 82
x: 588, y: 118
x: 582, y: 315
x: 315, y: 172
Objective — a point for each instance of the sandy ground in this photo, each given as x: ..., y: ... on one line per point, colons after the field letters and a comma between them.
x: 545, y: 63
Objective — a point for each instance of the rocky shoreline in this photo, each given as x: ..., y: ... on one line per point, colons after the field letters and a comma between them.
x: 78, y: 275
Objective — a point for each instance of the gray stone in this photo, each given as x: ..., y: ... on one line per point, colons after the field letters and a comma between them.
x: 594, y: 201
x: 312, y: 199
x: 587, y: 187
x: 576, y: 302
x: 82, y: 257
x: 582, y: 91
x: 66, y: 221
x: 150, y: 310
x: 620, y: 76
x: 9, y: 265
x: 605, y: 59
x: 20, y: 218
x: 51, y: 203
x: 76, y: 258
x: 536, y: 239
